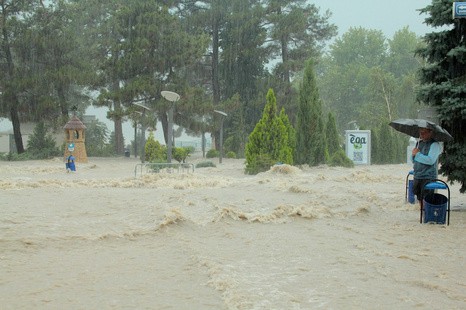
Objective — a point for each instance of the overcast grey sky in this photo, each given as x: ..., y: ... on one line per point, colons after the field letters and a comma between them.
x: 388, y: 16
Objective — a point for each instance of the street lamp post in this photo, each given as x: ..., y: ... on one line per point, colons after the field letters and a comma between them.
x: 173, y: 98
x: 222, y: 116
x: 143, y: 130
x: 136, y: 133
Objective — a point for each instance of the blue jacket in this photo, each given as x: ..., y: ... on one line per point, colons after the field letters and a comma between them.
x: 425, y: 161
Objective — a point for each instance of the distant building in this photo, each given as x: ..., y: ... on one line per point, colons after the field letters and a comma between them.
x: 7, y: 141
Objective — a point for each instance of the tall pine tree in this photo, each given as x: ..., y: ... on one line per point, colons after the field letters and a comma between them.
x: 268, y: 142
x: 290, y: 130
x: 443, y: 83
x: 310, y: 138
x: 333, y: 139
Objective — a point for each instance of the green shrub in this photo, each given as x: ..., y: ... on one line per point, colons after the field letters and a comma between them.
x: 154, y: 151
x: 212, y: 153
x: 16, y: 157
x: 339, y: 159
x: 97, y: 136
x: 260, y: 163
x: 181, y: 153
x: 205, y: 164
x: 191, y: 149
x: 41, y: 145
x: 231, y: 154
x: 268, y: 143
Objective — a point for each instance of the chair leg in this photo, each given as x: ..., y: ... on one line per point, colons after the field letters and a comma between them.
x: 421, y: 206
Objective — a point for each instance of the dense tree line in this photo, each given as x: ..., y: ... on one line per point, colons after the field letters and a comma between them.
x: 369, y: 79
x: 59, y: 54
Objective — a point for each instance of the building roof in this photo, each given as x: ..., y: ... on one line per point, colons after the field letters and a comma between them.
x: 74, y: 123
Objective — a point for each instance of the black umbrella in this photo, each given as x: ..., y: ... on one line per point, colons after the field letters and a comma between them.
x: 411, y: 127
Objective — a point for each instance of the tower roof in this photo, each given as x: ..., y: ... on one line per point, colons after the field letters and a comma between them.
x: 74, y: 123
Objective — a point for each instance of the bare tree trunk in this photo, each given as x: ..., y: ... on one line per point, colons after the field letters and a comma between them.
x: 386, y: 97
x: 16, y: 127
x: 63, y: 103
x: 118, y: 127
x: 11, y: 98
x: 215, y: 57
x: 285, y: 56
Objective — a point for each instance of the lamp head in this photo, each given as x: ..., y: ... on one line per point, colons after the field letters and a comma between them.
x: 170, y: 96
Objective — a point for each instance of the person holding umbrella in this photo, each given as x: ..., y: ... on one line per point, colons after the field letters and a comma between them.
x: 425, y: 159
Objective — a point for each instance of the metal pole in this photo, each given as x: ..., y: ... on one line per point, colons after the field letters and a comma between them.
x: 143, y: 137
x: 170, y: 134
x: 203, y: 145
x: 135, y: 139
x: 173, y: 98
x: 222, y: 116
x: 221, y: 140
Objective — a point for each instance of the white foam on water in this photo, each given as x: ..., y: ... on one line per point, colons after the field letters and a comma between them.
x: 216, y: 238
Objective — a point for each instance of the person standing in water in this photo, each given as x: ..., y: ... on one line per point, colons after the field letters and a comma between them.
x: 425, y: 159
x: 70, y: 165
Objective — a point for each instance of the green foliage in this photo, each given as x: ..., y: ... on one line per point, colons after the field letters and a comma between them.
x: 268, y: 143
x: 41, y: 145
x: 259, y: 163
x: 17, y: 157
x: 111, y: 148
x: 212, y: 153
x: 181, y: 153
x: 375, y: 155
x: 234, y: 144
x: 311, y: 143
x: 400, y: 61
x: 388, y: 146
x: 290, y: 23
x: 205, y: 164
x: 340, y: 159
x: 231, y: 154
x: 129, y: 52
x: 290, y: 131
x: 333, y: 139
x: 97, y: 136
x: 443, y: 81
x: 367, y: 80
x: 154, y: 151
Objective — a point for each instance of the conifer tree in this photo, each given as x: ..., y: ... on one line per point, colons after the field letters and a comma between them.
x: 386, y: 144
x: 443, y: 83
x: 375, y: 156
x: 290, y: 130
x: 268, y: 142
x: 333, y: 140
x: 310, y: 138
x: 154, y: 151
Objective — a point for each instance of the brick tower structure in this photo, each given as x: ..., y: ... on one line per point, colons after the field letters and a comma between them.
x: 75, y: 135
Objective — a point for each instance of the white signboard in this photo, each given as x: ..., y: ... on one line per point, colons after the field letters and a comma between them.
x: 358, y: 146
